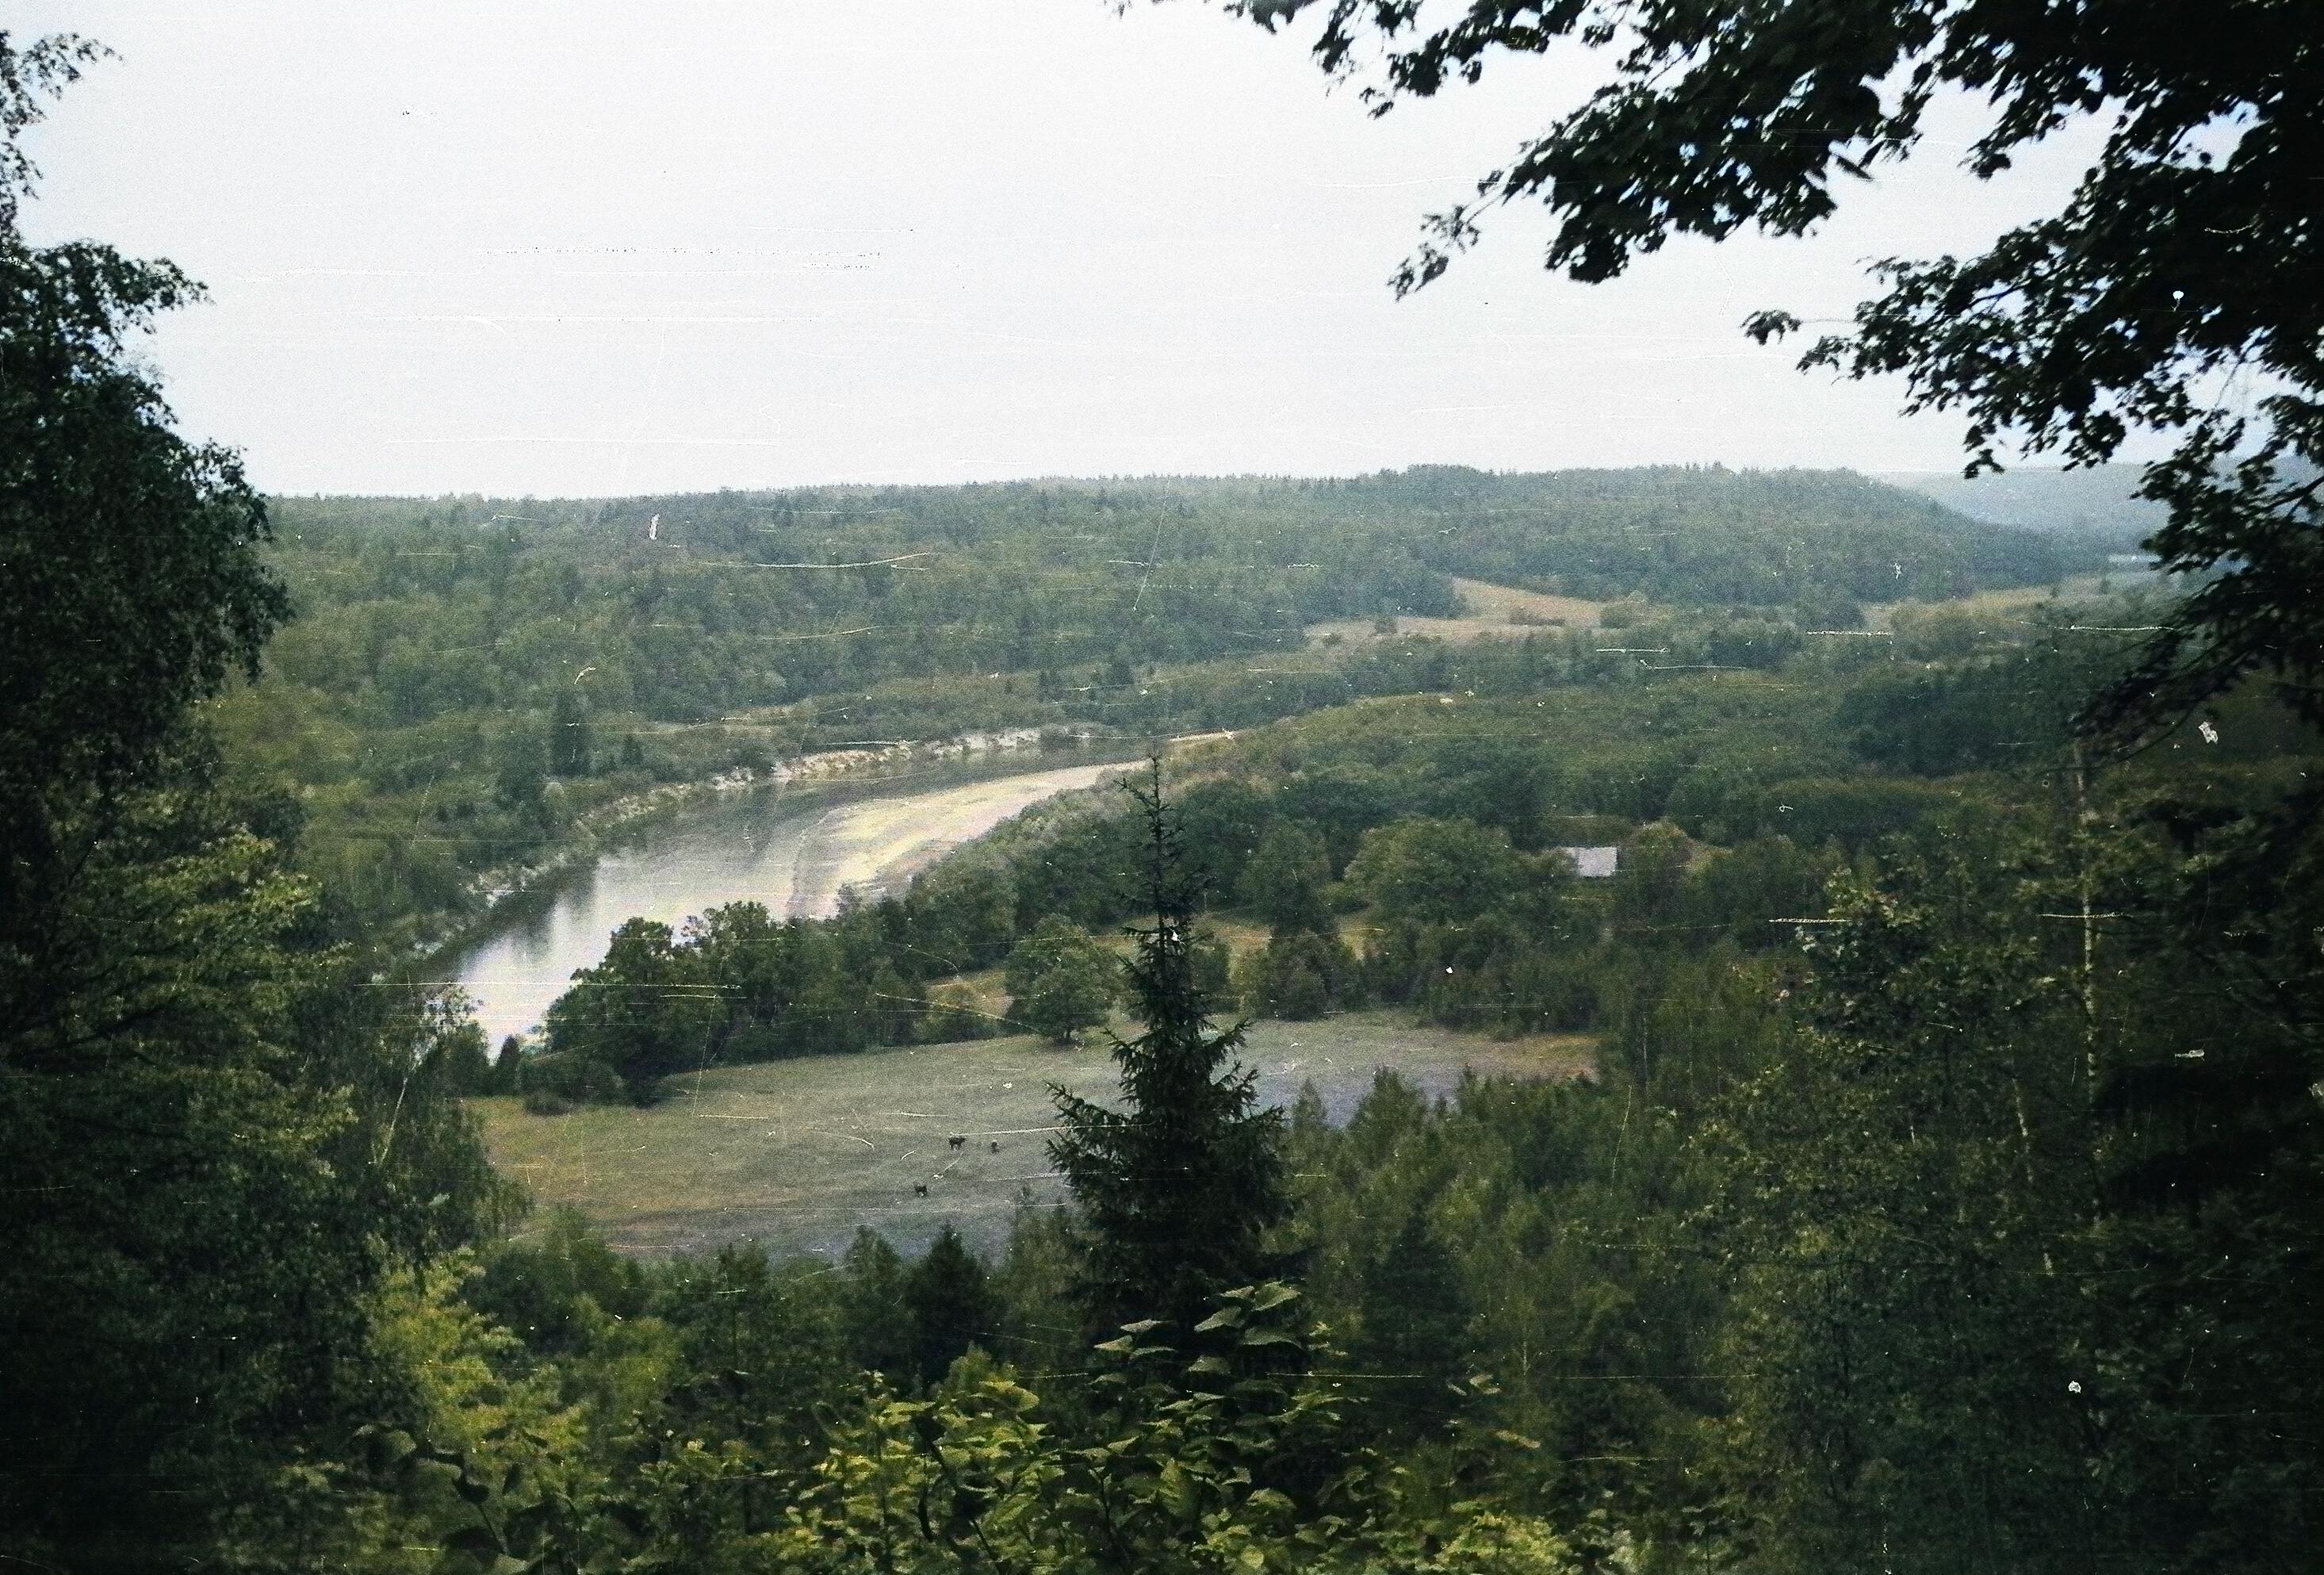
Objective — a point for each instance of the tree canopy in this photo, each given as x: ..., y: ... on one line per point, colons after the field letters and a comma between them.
x: 2177, y: 291
x: 133, y: 580
x: 1060, y: 980
x: 217, y: 1136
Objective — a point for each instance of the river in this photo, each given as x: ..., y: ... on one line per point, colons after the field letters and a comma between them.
x: 796, y: 848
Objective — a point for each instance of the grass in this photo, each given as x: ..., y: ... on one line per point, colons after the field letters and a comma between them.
x: 796, y: 1155
x: 2010, y: 601
x: 1490, y: 612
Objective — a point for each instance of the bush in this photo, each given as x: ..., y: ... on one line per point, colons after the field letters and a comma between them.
x: 954, y: 1015
x: 553, y: 1084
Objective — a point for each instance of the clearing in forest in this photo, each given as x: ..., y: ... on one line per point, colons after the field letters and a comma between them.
x: 1491, y: 612
x: 795, y: 1154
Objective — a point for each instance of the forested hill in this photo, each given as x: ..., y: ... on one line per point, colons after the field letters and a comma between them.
x: 691, y: 606
x: 2099, y: 502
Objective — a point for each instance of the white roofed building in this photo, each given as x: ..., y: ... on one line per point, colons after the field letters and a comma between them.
x: 1592, y: 863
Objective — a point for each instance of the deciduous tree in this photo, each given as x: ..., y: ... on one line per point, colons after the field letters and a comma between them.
x: 213, y: 1140
x: 1285, y: 880
x: 1060, y: 980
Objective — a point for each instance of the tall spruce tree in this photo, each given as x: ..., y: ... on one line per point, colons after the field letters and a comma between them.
x: 1178, y: 1187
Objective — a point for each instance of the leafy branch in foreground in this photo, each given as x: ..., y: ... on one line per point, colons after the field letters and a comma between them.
x: 2180, y: 290
x: 1246, y: 1473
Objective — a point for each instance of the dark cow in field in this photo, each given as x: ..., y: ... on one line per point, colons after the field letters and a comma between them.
x: 957, y: 1140
x: 919, y: 1189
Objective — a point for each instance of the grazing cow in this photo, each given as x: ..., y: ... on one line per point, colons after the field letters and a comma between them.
x: 957, y: 1139
x: 996, y: 1145
x: 919, y: 1189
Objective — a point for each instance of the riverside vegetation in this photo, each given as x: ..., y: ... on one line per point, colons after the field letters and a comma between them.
x: 1946, y: 1199
x: 473, y: 676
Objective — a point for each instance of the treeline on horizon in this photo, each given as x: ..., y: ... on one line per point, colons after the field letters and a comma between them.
x: 1973, y: 1232
x: 691, y: 609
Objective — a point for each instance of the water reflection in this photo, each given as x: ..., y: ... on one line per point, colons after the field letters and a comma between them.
x: 795, y: 850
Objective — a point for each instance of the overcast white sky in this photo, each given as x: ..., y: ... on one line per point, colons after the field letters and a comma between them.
x: 582, y: 248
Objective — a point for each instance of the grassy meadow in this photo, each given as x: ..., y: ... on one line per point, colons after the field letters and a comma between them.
x: 795, y: 1154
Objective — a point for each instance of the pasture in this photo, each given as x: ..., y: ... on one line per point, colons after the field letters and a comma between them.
x: 795, y: 1154
x: 1488, y: 611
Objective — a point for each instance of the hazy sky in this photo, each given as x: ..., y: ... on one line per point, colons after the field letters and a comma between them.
x: 589, y: 249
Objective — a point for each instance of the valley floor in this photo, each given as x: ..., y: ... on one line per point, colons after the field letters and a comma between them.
x: 796, y: 1155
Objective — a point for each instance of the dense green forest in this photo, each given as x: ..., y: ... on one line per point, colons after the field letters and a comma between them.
x: 1560, y: 1301
x: 417, y: 610
x: 1945, y: 1196
x: 1887, y: 971
x: 470, y: 678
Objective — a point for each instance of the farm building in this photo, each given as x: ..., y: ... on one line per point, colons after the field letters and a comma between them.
x: 1592, y: 863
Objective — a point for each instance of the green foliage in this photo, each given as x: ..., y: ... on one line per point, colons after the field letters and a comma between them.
x: 569, y: 750
x: 218, y: 1135
x: 109, y: 522
x: 553, y: 1290
x: 759, y: 1350
x: 1435, y: 871
x: 2121, y: 311
x: 1060, y: 980
x: 952, y: 1309
x: 522, y: 779
x: 470, y: 1420
x: 1246, y: 1472
x: 1302, y: 975
x: 1284, y: 882
x: 449, y: 640
x: 878, y: 1317
x: 1413, y: 1321
x: 1979, y: 1238
x: 291, y: 1133
x: 953, y: 1015
x: 736, y: 984
x: 1897, y: 1225
x: 674, y: 628
x: 645, y: 1011
x: 1502, y: 1269
x: 457, y: 1059
x: 2008, y: 711
x: 1222, y: 823
x: 1650, y: 883
x: 1961, y: 1191
x: 1178, y: 1187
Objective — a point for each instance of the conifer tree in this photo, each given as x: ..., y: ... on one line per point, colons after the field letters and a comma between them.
x: 873, y: 1310
x: 1178, y: 1187
x: 952, y: 1306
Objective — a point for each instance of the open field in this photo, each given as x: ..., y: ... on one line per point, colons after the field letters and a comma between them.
x: 2013, y: 602
x: 1494, y: 611
x: 796, y: 1155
